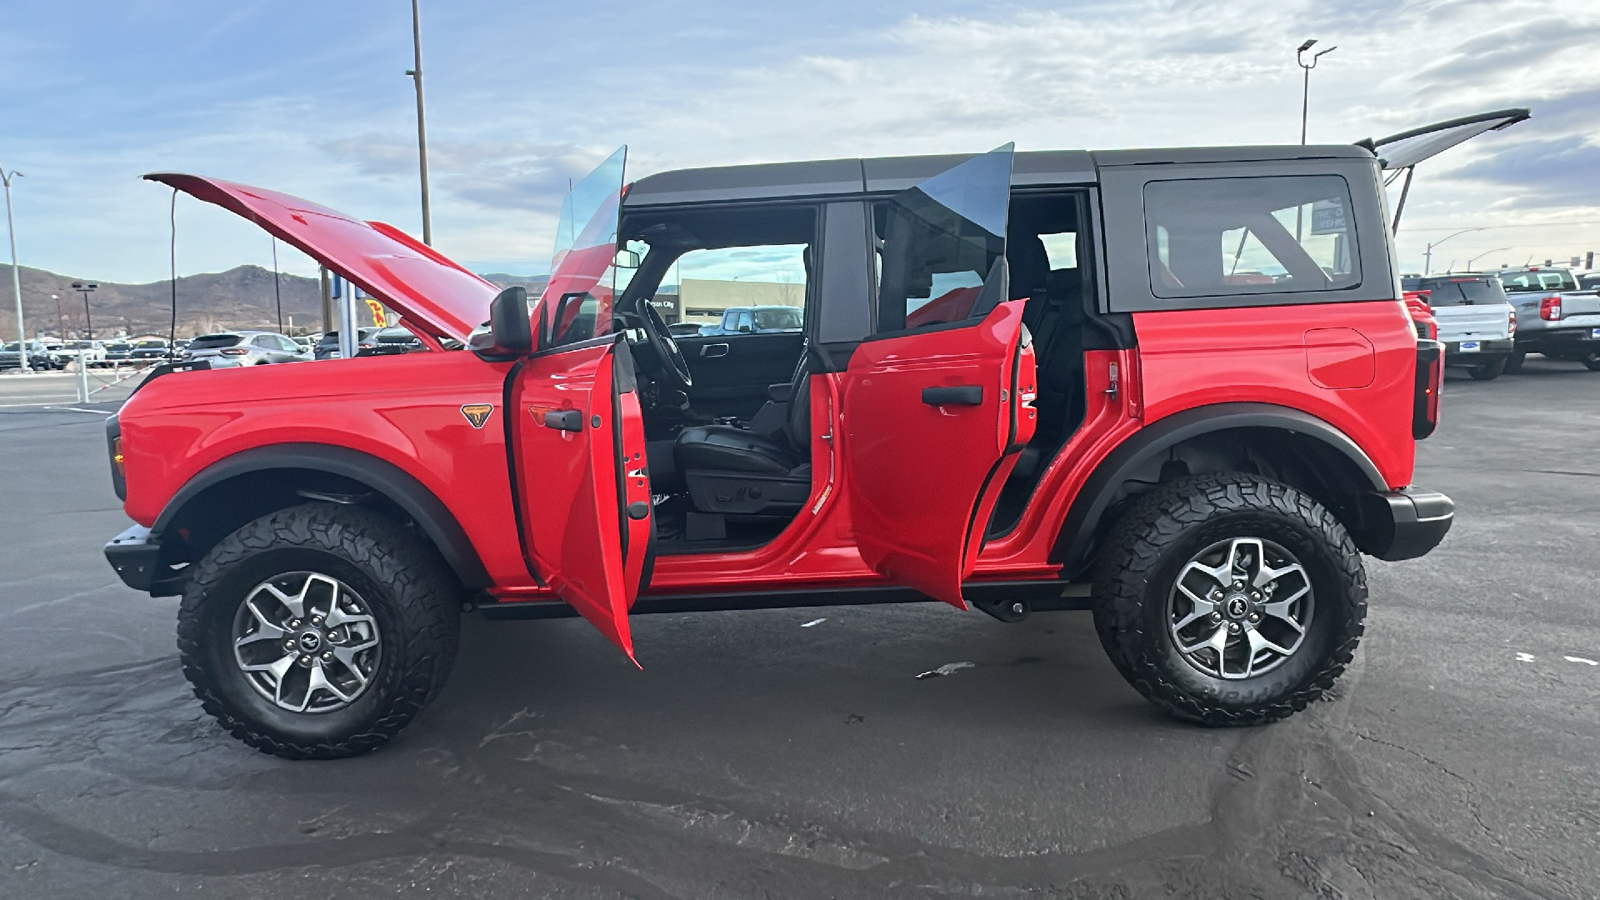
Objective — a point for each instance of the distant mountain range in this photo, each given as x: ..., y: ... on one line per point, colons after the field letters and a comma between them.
x: 238, y: 298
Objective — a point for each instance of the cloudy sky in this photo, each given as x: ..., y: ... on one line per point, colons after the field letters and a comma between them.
x: 310, y: 98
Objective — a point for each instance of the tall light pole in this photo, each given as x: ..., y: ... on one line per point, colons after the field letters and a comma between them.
x: 61, y: 319
x: 1474, y: 259
x: 1305, y: 93
x: 422, y: 128
x: 1427, y: 258
x: 16, y: 277
x: 88, y: 323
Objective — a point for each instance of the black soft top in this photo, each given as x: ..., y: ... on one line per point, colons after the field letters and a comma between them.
x: 835, y: 177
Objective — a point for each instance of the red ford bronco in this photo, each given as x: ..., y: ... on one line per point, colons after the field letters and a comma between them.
x: 1177, y: 387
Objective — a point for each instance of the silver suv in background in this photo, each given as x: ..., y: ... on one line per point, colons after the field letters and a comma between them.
x: 1476, y: 322
x: 227, y: 349
x: 1554, y: 316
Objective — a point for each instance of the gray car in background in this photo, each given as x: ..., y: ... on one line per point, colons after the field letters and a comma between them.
x: 227, y: 349
x: 1555, y: 316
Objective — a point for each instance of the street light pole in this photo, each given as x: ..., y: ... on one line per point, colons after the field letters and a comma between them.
x: 422, y: 128
x: 1474, y: 259
x: 1305, y: 93
x: 88, y: 323
x: 1427, y: 257
x: 61, y: 320
x: 16, y: 277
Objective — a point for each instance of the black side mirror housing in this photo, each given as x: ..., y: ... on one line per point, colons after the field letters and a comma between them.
x: 508, y: 333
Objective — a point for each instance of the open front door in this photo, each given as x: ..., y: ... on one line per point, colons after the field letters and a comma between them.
x: 937, y: 404
x: 583, y: 492
x: 575, y: 426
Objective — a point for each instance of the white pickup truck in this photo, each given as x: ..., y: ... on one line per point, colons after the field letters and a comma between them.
x: 1554, y: 317
x: 1476, y: 322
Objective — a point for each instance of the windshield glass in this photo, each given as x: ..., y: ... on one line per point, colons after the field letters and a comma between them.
x: 777, y: 319
x: 13, y: 347
x: 1538, y: 280
x: 576, y: 303
x: 151, y: 345
x: 1458, y: 291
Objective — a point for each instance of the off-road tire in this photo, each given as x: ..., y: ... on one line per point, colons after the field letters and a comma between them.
x: 1515, y: 360
x: 411, y: 593
x: 1146, y: 549
x: 1488, y: 371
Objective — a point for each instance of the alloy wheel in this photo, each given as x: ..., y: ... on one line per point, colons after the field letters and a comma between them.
x: 1240, y: 608
x: 306, y: 641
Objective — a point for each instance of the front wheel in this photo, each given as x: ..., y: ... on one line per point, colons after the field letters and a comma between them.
x: 318, y: 631
x: 1488, y: 371
x: 1229, y: 599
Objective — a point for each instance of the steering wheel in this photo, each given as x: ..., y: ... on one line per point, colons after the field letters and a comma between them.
x: 674, y: 368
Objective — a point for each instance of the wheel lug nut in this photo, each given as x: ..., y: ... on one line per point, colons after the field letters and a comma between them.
x: 327, y: 656
x: 1255, y: 617
x: 294, y: 623
x: 305, y: 661
x: 1233, y: 627
x: 1216, y: 617
x: 288, y: 645
x: 316, y: 620
x: 1255, y: 595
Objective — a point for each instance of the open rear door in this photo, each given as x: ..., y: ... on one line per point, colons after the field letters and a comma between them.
x: 577, y: 434
x: 937, y: 404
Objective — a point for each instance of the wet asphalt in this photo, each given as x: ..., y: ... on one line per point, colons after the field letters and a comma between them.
x: 755, y: 757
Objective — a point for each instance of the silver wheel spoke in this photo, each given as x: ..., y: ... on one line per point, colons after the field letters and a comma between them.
x: 334, y: 633
x: 1239, y: 608
x: 1259, y: 643
x: 1216, y: 640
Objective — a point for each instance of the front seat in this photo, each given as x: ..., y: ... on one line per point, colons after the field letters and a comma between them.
x: 729, y: 448
x: 736, y: 471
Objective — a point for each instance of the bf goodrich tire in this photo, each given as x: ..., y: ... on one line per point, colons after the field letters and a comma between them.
x: 1488, y: 371
x: 1515, y: 360
x: 318, y: 631
x: 1229, y: 599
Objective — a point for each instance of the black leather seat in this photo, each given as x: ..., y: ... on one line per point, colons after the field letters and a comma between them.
x: 729, y: 448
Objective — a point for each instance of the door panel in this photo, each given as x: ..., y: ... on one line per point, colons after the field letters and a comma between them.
x: 933, y: 422
x: 733, y: 381
x: 583, y: 493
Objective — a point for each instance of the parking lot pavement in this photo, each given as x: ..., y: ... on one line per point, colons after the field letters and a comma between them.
x: 756, y: 757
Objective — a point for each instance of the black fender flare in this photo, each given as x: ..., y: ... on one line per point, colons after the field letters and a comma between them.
x: 385, y: 478
x: 1078, y: 531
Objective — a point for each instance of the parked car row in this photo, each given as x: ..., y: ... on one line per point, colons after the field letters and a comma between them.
x: 1490, y: 321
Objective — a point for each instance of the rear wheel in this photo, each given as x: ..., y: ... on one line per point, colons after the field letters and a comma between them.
x: 1229, y: 599
x: 1488, y: 371
x: 1515, y: 360
x: 319, y: 631
x: 1592, y: 362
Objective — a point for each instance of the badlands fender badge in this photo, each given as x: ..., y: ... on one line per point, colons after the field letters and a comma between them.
x: 478, y: 413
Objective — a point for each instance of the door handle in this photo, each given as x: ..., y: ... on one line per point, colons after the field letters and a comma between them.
x: 961, y: 395
x: 564, y: 420
x: 712, y: 351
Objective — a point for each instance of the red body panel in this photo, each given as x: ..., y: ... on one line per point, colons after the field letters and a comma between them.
x: 405, y: 410
x: 568, y: 485
x: 1350, y: 364
x: 430, y: 292
x: 917, y: 472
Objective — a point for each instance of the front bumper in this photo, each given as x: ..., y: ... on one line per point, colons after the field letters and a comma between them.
x: 1404, y: 524
x: 1487, y: 351
x: 135, y: 555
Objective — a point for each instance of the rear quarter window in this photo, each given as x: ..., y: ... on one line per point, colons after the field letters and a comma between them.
x: 1219, y: 237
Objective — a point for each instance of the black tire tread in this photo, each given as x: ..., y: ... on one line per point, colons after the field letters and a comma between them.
x: 409, y: 570
x: 1135, y: 544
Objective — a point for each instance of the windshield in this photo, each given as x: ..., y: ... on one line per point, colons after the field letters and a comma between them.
x: 13, y: 347
x: 79, y: 345
x: 1458, y: 291
x: 777, y: 319
x: 1538, y: 280
x: 151, y: 345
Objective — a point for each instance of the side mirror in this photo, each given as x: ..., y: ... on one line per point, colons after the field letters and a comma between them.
x: 508, y: 334
x: 744, y: 329
x: 628, y: 259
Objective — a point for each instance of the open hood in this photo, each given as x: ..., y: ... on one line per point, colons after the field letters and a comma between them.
x: 429, y: 291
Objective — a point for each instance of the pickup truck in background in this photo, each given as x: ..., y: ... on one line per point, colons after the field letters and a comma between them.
x: 1554, y: 317
x: 1475, y: 321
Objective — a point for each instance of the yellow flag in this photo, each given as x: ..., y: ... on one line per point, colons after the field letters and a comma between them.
x: 378, y: 318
